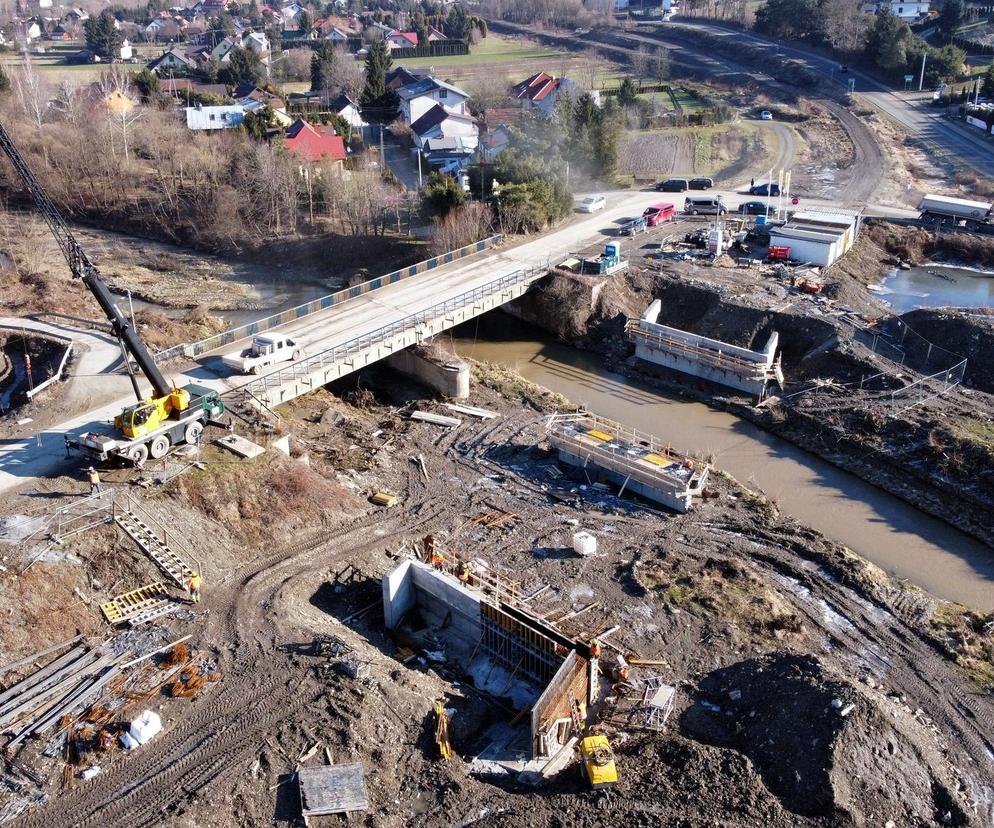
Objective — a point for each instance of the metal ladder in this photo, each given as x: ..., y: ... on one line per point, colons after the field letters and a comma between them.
x: 178, y: 570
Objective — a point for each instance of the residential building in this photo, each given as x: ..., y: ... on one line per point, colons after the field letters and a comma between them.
x: 171, y: 62
x: 400, y: 76
x: 440, y: 122
x: 907, y: 11
x: 314, y: 142
x: 401, y: 40
x: 257, y: 42
x: 435, y: 35
x: 127, y: 51
x: 344, y: 106
x: 214, y: 117
x: 416, y: 99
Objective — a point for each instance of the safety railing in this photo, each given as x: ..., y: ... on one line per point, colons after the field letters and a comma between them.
x: 192, y: 349
x: 333, y: 356
x: 761, y: 366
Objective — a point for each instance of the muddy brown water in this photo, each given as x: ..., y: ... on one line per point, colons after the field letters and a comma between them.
x: 896, y: 536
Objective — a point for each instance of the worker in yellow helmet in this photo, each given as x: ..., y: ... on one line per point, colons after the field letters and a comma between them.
x: 193, y: 587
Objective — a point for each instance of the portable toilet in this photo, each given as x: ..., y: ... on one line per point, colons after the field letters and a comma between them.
x: 613, y: 250
x: 761, y: 221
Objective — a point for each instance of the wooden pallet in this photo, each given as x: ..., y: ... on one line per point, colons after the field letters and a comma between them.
x: 128, y: 605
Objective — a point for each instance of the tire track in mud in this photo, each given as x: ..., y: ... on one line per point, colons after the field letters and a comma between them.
x: 226, y: 728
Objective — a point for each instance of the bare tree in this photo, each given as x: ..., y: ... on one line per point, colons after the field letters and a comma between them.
x: 640, y: 62
x: 462, y: 225
x: 660, y: 64
x: 489, y: 92
x: 845, y: 25
x: 120, y: 103
x: 32, y: 92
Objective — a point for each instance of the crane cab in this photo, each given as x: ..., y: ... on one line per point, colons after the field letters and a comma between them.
x: 145, y: 417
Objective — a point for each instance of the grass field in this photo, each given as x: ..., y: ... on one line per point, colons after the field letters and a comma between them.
x: 491, y: 49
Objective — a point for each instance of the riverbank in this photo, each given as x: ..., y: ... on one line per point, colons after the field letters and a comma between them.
x: 737, y: 604
x: 937, y: 455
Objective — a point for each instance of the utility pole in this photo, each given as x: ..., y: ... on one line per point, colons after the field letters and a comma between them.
x: 921, y: 78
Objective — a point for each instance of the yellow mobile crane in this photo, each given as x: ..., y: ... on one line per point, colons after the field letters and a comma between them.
x: 166, y: 416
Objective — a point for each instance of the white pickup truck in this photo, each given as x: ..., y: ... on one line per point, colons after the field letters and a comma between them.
x: 266, y: 349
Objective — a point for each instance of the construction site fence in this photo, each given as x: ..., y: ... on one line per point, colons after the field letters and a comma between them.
x: 304, y: 368
x: 194, y: 349
x: 897, y: 341
x: 926, y: 388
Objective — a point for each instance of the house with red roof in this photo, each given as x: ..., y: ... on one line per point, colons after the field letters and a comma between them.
x: 401, y: 40
x: 314, y: 142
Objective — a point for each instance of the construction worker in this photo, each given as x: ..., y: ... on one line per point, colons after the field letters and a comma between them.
x: 193, y: 587
x: 94, y: 477
x: 437, y: 559
x: 462, y: 572
x: 595, y: 648
x: 581, y: 708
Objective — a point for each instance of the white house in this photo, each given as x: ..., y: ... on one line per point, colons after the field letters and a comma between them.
x: 440, y: 122
x: 257, y: 42
x: 127, y: 50
x: 908, y: 11
x: 348, y: 110
x: 418, y: 98
x: 214, y: 117
x: 401, y: 40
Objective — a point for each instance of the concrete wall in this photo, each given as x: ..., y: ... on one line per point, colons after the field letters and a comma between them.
x: 700, y: 356
x: 438, y: 596
x: 450, y: 378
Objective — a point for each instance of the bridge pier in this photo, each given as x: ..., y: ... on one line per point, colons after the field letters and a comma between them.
x: 446, y: 373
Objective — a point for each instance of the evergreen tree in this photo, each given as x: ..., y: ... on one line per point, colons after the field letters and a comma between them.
x: 628, y: 92
x: 323, y: 67
x: 101, y: 36
x: 379, y: 103
x: 4, y: 82
x: 244, y: 66
x: 950, y: 19
x: 987, y: 90
x: 147, y: 84
x: 458, y: 24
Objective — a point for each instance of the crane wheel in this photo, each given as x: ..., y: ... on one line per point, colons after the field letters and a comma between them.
x: 256, y: 369
x: 159, y: 447
x: 296, y: 356
x: 193, y: 432
x: 138, y: 454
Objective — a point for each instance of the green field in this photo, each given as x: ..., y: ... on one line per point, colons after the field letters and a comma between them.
x: 491, y: 49
x: 687, y: 101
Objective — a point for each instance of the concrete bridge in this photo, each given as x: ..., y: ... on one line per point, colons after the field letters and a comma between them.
x: 339, y: 339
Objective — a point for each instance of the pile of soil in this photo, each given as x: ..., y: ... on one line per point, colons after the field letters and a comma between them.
x: 821, y: 745
x: 970, y: 335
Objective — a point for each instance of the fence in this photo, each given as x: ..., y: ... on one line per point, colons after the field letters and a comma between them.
x: 353, y: 347
x: 194, y: 349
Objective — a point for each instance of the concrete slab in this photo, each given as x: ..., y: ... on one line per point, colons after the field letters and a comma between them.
x: 240, y: 446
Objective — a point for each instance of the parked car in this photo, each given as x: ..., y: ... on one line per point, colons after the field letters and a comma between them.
x: 673, y: 185
x: 757, y: 208
x: 766, y: 115
x: 631, y: 226
x: 705, y: 205
x: 765, y: 189
x: 701, y: 183
x: 591, y: 204
x: 658, y: 213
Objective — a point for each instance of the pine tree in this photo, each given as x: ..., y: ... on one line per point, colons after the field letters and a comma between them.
x: 323, y: 66
x: 102, y: 38
x: 379, y: 103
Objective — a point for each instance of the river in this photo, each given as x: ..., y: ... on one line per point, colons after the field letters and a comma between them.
x: 899, y: 538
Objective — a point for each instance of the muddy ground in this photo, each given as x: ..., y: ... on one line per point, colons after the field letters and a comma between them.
x: 852, y: 393
x: 813, y: 691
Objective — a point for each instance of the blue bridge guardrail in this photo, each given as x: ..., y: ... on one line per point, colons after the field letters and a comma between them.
x: 193, y: 349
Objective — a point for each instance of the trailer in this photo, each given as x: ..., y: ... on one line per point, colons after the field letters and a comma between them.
x: 938, y: 208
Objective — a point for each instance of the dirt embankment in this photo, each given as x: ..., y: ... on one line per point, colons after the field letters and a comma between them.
x: 937, y: 455
x: 761, y: 623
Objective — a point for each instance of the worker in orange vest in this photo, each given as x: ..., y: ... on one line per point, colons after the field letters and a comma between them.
x: 94, y: 477
x: 193, y: 587
x: 437, y: 559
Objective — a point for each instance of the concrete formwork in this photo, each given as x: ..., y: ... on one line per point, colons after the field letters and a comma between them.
x: 634, y: 461
x: 699, y: 356
x: 550, y: 733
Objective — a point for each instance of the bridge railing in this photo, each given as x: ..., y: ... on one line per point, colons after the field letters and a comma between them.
x: 333, y: 356
x: 192, y: 349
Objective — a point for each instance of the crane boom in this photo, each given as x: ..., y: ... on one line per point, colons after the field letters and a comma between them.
x: 82, y: 268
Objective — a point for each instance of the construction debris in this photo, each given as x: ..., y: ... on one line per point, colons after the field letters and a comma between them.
x: 240, y: 446
x: 442, y: 731
x: 472, y: 411
x: 332, y: 789
x: 436, y: 419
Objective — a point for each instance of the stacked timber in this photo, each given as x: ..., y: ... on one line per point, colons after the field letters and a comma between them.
x: 65, y: 686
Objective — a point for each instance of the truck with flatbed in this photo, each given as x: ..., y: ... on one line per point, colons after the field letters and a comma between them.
x: 265, y: 350
x: 939, y: 208
x: 163, y: 417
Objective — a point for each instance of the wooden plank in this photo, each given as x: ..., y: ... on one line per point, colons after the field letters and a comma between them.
x: 34, y: 656
x: 64, y: 680
x: 435, y: 419
x: 472, y: 411
x: 36, y: 677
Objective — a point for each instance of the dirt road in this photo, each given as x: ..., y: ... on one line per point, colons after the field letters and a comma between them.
x: 733, y: 579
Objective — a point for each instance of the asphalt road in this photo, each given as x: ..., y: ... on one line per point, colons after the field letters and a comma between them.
x: 912, y: 113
